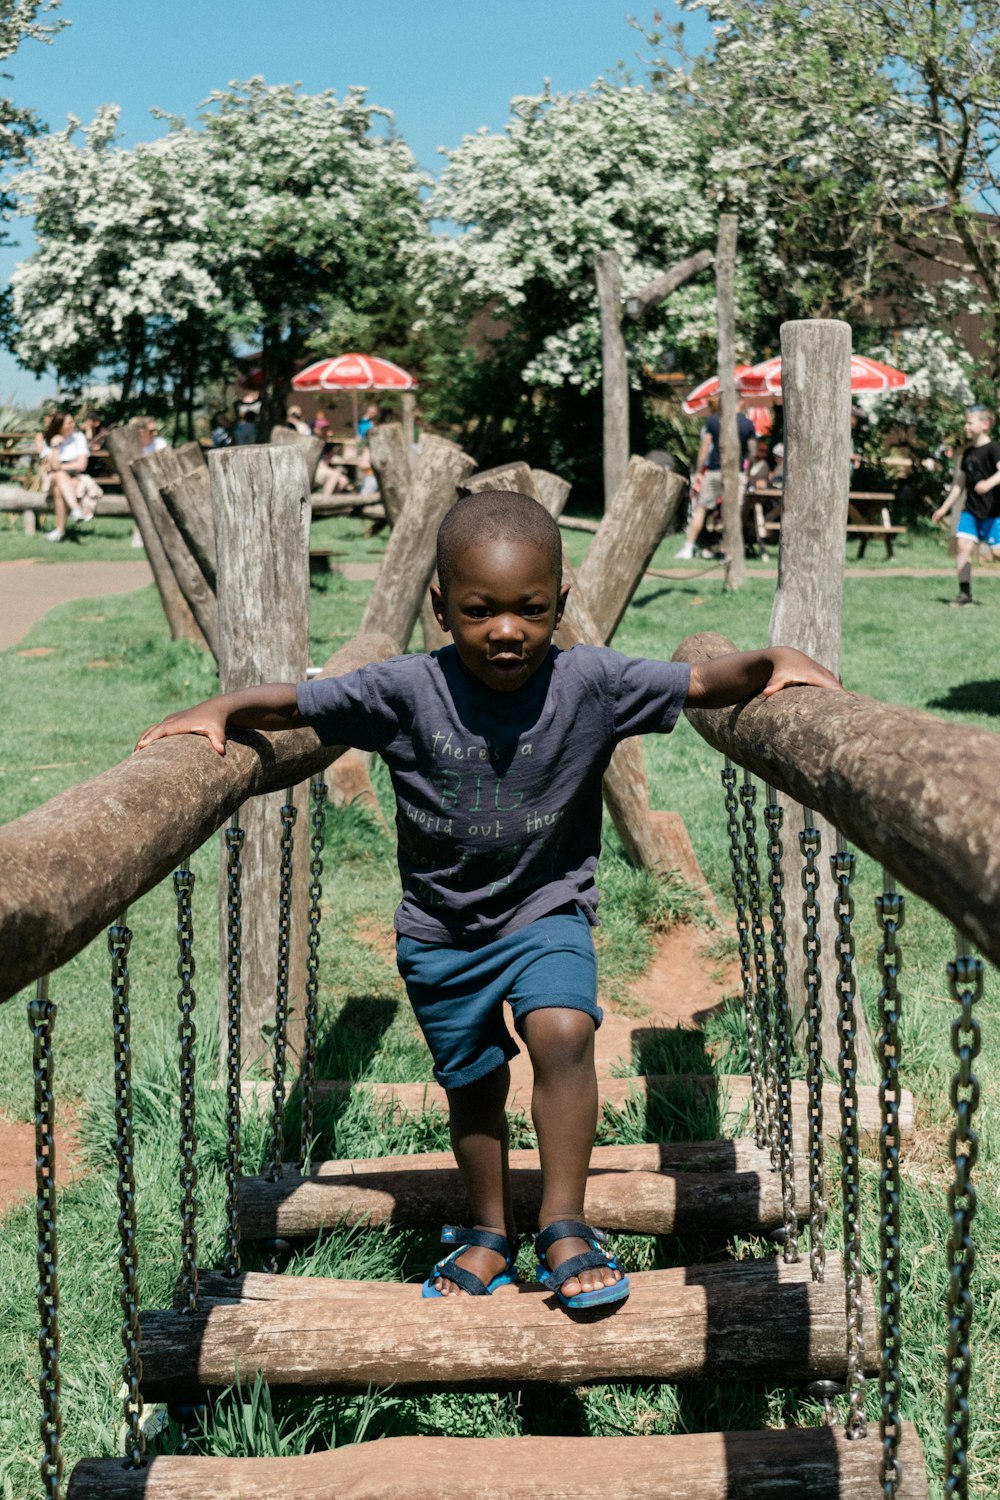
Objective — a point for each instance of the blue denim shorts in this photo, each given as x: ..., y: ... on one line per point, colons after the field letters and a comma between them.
x: 458, y: 993
x: 987, y: 531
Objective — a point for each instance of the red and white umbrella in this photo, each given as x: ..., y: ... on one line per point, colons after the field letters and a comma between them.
x: 866, y: 375
x: 354, y: 372
x: 696, y: 401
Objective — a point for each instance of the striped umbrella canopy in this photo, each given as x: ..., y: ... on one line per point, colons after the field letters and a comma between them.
x: 354, y: 372
x: 866, y: 375
x: 697, y: 400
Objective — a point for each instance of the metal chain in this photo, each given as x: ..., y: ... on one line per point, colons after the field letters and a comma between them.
x: 119, y: 942
x: 842, y: 862
x: 307, y: 1073
x: 743, y: 940
x: 235, y: 837
x: 188, y: 1284
x: 41, y: 1017
x: 773, y: 818
x: 748, y: 796
x: 890, y: 910
x: 276, y: 1168
x: 965, y: 983
x: 809, y: 843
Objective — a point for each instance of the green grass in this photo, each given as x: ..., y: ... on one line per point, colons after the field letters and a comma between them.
x: 71, y: 720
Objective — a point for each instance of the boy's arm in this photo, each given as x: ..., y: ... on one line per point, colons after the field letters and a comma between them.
x: 743, y: 674
x: 699, y: 463
x: 947, y: 503
x: 985, y: 485
x: 270, y: 706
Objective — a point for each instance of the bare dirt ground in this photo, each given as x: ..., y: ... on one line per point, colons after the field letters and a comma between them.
x: 28, y: 589
x: 17, y: 1161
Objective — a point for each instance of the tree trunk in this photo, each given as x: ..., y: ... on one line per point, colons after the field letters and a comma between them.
x: 260, y: 502
x: 152, y: 474
x: 816, y: 388
x: 729, y: 437
x: 614, y: 371
x: 124, y: 445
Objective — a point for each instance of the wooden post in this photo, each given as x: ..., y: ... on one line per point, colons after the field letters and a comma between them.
x: 816, y: 389
x: 614, y: 371
x: 391, y: 463
x: 124, y: 445
x: 260, y: 501
x: 152, y: 473
x: 729, y: 436
x: 552, y: 491
x: 633, y: 526
x: 408, y: 416
x: 312, y: 447
x: 189, y: 501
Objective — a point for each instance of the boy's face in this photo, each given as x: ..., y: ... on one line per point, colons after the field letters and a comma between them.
x: 502, y: 606
x: 977, y: 423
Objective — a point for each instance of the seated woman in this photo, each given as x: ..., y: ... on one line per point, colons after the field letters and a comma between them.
x: 63, y: 455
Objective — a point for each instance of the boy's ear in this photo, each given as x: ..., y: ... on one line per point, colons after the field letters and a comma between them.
x: 437, y: 604
x: 561, y: 605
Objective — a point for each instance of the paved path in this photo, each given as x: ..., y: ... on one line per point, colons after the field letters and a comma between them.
x: 29, y: 589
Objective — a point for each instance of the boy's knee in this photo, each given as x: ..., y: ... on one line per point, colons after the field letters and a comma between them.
x: 559, y: 1037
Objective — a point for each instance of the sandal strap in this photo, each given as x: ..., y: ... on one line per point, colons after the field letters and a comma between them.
x: 453, y: 1235
x: 566, y: 1229
x: 467, y: 1280
x: 585, y: 1261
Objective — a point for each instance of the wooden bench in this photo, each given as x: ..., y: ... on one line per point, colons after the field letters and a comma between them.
x: 764, y: 529
x: 31, y: 504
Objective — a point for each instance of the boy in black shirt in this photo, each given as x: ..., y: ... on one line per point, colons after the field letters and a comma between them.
x: 977, y: 477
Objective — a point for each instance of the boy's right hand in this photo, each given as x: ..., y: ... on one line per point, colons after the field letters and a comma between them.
x: 204, y: 719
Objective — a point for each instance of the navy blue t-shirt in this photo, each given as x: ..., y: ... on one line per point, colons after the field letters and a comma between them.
x: 498, y: 795
x: 746, y: 431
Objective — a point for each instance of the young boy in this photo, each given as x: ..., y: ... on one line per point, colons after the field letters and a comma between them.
x: 977, y: 476
x: 496, y: 746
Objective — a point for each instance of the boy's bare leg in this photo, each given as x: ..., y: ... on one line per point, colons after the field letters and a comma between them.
x: 564, y: 1110
x: 479, y: 1139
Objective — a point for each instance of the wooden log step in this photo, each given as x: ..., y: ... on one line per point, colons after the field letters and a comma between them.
x: 732, y: 1091
x: 262, y: 1286
x: 726, y: 1325
x: 815, y: 1463
x: 628, y: 1191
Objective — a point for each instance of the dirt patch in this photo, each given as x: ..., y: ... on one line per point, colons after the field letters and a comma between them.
x: 100, y: 664
x: 38, y: 651
x: 17, y: 1161
x: 686, y: 980
x: 382, y: 939
x: 20, y: 562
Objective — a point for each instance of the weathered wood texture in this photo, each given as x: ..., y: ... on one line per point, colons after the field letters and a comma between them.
x: 818, y: 1463
x: 722, y: 1326
x: 312, y: 447
x: 729, y: 441
x: 260, y: 505
x: 614, y: 371
x: 731, y: 1091
x: 124, y: 446
x: 72, y: 865
x: 514, y: 477
x: 405, y: 573
x: 391, y: 463
x: 152, y: 474
x: 552, y: 491
x: 916, y: 793
x: 638, y: 304
x: 31, y: 502
x: 625, y: 1199
x: 189, y: 501
x: 634, y: 524
x: 816, y: 391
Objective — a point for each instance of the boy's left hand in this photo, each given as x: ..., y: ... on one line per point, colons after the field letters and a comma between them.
x: 791, y: 668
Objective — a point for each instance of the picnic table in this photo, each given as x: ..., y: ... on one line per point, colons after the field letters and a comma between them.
x: 869, y: 515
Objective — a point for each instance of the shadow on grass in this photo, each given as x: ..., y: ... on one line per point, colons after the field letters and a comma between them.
x: 970, y: 698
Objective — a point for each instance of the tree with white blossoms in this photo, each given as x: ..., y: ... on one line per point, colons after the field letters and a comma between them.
x: 156, y: 264
x: 119, y: 281
x: 612, y: 168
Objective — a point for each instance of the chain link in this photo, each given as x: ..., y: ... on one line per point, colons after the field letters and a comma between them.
x: 188, y: 1283
x: 809, y: 843
x: 235, y: 837
x: 119, y: 942
x: 307, y: 1074
x: 748, y: 796
x: 41, y: 1017
x: 773, y: 818
x: 276, y: 1167
x: 743, y: 940
x: 965, y: 984
x: 890, y: 910
x: 842, y: 862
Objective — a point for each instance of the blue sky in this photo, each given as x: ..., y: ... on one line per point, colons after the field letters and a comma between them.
x: 444, y: 67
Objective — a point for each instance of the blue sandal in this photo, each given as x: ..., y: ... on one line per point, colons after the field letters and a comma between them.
x: 594, y: 1258
x: 462, y: 1239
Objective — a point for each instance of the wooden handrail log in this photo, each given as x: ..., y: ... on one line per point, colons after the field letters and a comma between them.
x: 917, y: 793
x: 71, y: 866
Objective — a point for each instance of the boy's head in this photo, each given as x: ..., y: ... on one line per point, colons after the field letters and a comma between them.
x: 978, y: 421
x: 500, y: 591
